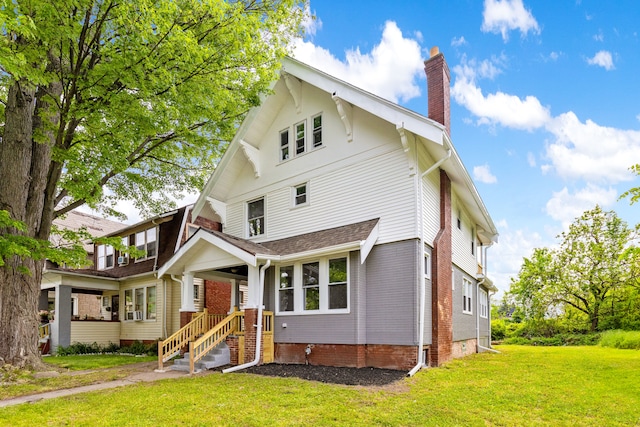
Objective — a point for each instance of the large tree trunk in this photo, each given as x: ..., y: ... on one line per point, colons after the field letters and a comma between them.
x: 25, y: 159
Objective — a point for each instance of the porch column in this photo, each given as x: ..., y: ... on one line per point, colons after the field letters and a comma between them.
x: 234, y: 295
x: 61, y: 326
x: 251, y: 313
x: 187, y: 308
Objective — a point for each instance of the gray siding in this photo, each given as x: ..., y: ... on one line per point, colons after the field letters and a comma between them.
x: 428, y: 318
x: 391, y: 294
x: 464, y: 325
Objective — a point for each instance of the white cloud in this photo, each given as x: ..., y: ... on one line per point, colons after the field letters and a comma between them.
x: 591, y: 152
x: 598, y: 37
x: 500, y: 108
x: 566, y: 207
x: 531, y: 159
x: 458, y: 41
x: 483, y: 174
x: 602, y: 59
x: 505, y: 258
x: 502, y: 16
x: 389, y: 70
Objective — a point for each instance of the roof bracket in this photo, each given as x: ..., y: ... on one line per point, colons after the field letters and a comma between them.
x: 295, y: 89
x: 407, y: 139
x: 346, y: 112
x: 253, y: 156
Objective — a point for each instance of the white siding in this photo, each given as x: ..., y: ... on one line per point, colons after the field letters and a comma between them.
x: 461, y: 239
x: 430, y: 198
x: 347, y: 181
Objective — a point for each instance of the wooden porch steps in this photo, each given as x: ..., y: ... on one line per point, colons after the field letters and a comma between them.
x: 218, y: 356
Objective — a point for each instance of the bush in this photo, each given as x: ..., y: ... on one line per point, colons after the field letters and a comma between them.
x: 621, y: 339
x: 556, y: 340
x: 139, y: 348
x: 498, y: 329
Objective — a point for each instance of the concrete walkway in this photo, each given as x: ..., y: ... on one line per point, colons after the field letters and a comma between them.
x: 137, y: 377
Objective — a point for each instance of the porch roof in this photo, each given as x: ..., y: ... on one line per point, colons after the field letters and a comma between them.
x: 360, y: 235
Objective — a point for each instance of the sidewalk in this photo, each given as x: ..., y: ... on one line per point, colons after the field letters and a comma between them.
x: 149, y: 376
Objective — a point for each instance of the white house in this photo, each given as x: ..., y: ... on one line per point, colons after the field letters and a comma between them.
x: 354, y: 221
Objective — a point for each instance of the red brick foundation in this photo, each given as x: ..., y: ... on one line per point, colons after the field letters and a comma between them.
x: 250, y: 320
x: 232, y: 343
x: 343, y: 355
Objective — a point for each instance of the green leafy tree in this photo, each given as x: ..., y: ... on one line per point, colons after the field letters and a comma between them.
x: 582, y: 275
x: 104, y: 100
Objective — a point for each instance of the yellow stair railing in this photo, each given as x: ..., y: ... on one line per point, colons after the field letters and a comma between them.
x: 199, y: 348
x: 171, y: 346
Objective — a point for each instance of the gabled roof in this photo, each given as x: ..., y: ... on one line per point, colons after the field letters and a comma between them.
x: 361, y: 235
x: 431, y: 134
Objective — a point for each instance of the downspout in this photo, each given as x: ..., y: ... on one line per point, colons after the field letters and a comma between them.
x: 258, y: 326
x: 421, y: 362
x: 479, y: 347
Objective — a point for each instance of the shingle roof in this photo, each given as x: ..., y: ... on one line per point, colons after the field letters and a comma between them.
x: 304, y: 242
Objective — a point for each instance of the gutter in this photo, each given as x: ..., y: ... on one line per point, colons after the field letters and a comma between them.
x: 258, y: 326
x: 421, y: 284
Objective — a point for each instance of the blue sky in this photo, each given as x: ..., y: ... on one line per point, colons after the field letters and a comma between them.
x: 544, y: 108
x: 544, y: 99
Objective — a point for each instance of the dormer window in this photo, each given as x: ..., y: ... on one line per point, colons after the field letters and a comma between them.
x: 146, y: 241
x: 300, y: 138
x: 105, y: 257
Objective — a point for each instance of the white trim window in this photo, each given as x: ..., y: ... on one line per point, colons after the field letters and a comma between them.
x: 317, y: 130
x: 255, y: 217
x: 483, y: 298
x: 300, y: 195
x: 300, y: 132
x: 140, y: 303
x: 146, y: 241
x: 106, y: 257
x: 315, y: 287
x: 284, y: 145
x: 467, y: 296
x: 285, y: 289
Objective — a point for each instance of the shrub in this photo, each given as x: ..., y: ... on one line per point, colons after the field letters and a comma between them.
x: 556, y: 340
x: 621, y: 339
x: 498, y: 329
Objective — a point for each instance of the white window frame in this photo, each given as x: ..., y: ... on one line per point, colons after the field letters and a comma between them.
x: 144, y: 245
x: 105, y: 257
x: 323, y: 287
x: 130, y: 309
x: 315, y: 131
x: 285, y: 149
x: 483, y: 298
x: 295, y: 196
x: 300, y: 137
x: 248, y: 223
x: 467, y: 296
x: 427, y: 266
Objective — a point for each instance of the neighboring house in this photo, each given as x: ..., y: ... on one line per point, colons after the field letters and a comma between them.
x: 353, y: 220
x: 120, y: 300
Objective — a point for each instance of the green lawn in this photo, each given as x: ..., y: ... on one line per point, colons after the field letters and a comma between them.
x: 554, y: 386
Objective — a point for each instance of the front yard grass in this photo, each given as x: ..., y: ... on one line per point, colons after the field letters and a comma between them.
x: 522, y: 386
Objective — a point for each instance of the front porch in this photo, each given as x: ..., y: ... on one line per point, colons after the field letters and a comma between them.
x: 207, y: 331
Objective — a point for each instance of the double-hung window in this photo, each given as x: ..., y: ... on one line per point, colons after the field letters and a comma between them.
x: 106, y: 256
x: 146, y: 241
x: 285, y: 291
x: 255, y: 217
x: 467, y: 296
x: 300, y: 137
x: 483, y: 298
x: 284, y: 144
x: 311, y: 285
x: 317, y: 131
x: 337, y: 283
x: 300, y: 195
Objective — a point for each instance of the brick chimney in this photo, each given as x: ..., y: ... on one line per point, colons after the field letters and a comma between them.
x: 438, y: 87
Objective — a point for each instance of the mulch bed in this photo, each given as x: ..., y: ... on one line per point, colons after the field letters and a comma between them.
x: 330, y: 374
